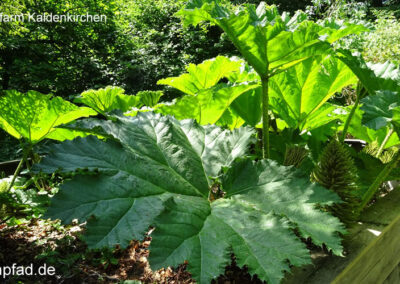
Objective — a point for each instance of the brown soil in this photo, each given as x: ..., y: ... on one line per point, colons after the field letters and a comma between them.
x: 64, y: 250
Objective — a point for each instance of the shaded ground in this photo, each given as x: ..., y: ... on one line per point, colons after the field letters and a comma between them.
x: 42, y: 242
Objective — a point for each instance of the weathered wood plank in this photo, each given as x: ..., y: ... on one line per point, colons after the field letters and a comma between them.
x: 377, y: 261
x: 325, y: 267
x: 394, y: 277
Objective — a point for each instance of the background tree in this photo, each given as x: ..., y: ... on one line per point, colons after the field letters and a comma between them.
x: 62, y: 58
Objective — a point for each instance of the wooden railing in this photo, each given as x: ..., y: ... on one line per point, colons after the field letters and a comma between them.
x: 378, y: 263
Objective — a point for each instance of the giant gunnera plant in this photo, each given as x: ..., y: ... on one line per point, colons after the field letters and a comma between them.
x: 154, y: 170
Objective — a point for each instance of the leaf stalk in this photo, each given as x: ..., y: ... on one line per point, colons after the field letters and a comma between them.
x: 265, y: 116
x: 352, y: 112
x: 16, y: 173
x: 379, y: 179
x: 19, y: 167
x: 384, y: 142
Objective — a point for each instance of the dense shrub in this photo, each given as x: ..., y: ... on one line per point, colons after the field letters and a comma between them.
x: 162, y: 47
x: 63, y: 58
x: 383, y: 43
x: 141, y: 43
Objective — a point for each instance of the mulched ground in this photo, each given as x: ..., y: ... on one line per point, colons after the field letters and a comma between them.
x: 41, y: 242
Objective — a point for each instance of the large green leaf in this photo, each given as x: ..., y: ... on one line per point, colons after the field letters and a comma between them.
x: 206, y: 99
x: 382, y: 80
x: 388, y: 75
x: 154, y: 158
x: 248, y: 106
x: 203, y: 76
x: 149, y: 98
x: 368, y: 168
x: 156, y: 171
x: 369, y: 135
x: 263, y: 202
x: 380, y: 109
x: 230, y: 119
x: 336, y: 29
x: 296, y: 202
x: 108, y: 99
x: 207, y: 106
x: 324, y: 115
x: 299, y: 92
x: 299, y: 95
x: 34, y: 116
x: 373, y: 77
x: 269, y: 42
x: 204, y: 234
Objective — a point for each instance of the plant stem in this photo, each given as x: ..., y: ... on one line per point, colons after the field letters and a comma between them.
x: 16, y: 173
x: 19, y: 168
x: 352, y: 112
x: 387, y: 137
x: 379, y: 179
x: 265, y: 117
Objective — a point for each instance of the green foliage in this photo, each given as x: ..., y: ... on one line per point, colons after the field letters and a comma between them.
x: 209, y: 105
x: 381, y: 110
x: 383, y: 173
x: 196, y: 183
x: 373, y: 77
x: 203, y: 76
x: 369, y: 166
x: 34, y: 116
x: 3, y: 199
x: 336, y: 171
x: 349, y: 10
x: 22, y: 202
x: 108, y: 99
x: 295, y: 155
x: 268, y: 41
x: 247, y: 107
x: 140, y: 43
x: 290, y: 6
x: 207, y: 99
x: 264, y: 29
x: 162, y: 47
x: 63, y: 58
x: 298, y: 95
x: 369, y: 135
x: 388, y: 75
x: 386, y: 156
x: 149, y: 98
x: 383, y: 44
x: 283, y: 5
x: 157, y: 171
